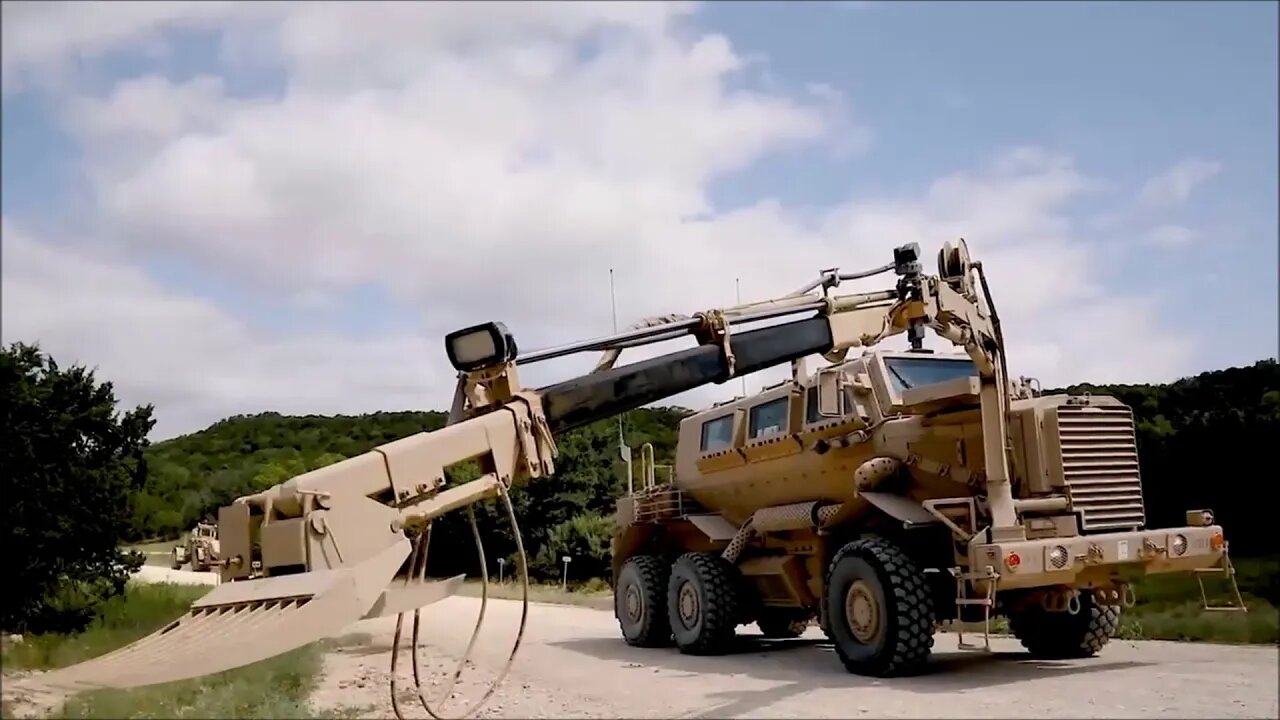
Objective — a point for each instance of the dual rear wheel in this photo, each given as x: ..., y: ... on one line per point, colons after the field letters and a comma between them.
x: 695, y: 601
x: 879, y: 611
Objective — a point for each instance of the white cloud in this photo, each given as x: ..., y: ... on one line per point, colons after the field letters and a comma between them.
x: 41, y: 42
x: 1170, y: 236
x: 483, y: 164
x: 190, y: 358
x: 1176, y: 184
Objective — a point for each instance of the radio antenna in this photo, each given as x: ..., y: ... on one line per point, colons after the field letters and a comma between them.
x: 737, y: 287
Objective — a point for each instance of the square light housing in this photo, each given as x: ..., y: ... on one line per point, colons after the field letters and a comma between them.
x: 1200, y: 518
x: 480, y: 346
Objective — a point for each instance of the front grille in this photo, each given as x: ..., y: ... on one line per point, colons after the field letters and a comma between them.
x: 1100, y: 466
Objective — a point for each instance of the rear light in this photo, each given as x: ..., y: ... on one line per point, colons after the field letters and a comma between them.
x: 1217, y: 541
x: 1013, y: 561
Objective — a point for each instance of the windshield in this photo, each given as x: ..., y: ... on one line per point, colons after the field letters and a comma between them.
x: 907, y: 373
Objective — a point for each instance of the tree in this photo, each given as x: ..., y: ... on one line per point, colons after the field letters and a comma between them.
x: 72, y: 466
x: 585, y: 538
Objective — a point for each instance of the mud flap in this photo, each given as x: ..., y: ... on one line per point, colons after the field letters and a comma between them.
x: 240, y: 623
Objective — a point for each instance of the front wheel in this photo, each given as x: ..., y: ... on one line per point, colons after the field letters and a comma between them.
x: 879, y: 610
x: 1061, y: 635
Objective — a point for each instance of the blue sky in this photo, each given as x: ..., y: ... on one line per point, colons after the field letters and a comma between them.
x: 1124, y: 87
x: 1118, y: 160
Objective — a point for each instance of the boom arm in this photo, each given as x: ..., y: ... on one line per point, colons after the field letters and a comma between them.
x: 330, y: 546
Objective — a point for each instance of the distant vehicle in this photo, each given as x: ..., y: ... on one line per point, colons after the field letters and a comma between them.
x: 200, y: 548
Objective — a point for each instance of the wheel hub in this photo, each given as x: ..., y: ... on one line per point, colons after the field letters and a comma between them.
x: 688, y: 604
x: 633, y: 603
x: 862, y: 611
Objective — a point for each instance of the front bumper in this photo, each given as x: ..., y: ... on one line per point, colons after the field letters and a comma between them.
x: 1084, y: 558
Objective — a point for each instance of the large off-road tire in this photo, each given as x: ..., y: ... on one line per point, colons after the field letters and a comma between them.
x: 640, y: 601
x: 704, y: 603
x: 1059, y: 635
x: 879, y: 610
x: 783, y: 622
x: 173, y: 560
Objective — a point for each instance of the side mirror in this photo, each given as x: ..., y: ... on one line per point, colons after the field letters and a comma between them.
x: 831, y: 383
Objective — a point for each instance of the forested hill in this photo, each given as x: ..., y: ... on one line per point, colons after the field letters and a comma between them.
x: 1205, y: 441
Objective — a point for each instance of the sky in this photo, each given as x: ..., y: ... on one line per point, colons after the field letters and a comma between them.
x: 233, y: 208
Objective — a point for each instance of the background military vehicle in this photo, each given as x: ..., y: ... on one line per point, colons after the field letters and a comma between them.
x: 199, y: 547
x: 891, y: 482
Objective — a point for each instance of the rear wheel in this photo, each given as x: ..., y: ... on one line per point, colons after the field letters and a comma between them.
x: 703, y: 603
x: 879, y: 610
x: 1060, y: 635
x: 640, y: 602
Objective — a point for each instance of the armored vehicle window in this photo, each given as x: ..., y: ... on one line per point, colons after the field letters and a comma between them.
x: 811, y: 415
x: 769, y: 418
x: 717, y: 434
x: 907, y: 373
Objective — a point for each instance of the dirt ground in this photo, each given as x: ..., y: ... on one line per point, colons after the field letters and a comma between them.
x: 572, y: 663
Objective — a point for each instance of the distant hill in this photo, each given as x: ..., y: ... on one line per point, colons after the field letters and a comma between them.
x: 1204, y: 441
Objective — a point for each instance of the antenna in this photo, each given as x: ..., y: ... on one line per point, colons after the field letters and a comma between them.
x: 613, y: 306
x: 737, y: 288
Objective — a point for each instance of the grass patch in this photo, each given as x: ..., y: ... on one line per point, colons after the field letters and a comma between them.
x: 142, y: 609
x: 274, y: 688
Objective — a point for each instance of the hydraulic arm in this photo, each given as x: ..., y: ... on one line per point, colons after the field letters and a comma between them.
x: 348, y: 541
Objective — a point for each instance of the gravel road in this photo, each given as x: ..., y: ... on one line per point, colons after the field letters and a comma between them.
x: 157, y: 574
x: 572, y: 663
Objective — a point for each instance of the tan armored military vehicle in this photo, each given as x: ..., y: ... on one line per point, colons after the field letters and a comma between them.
x: 200, y: 548
x: 889, y: 492
x: 880, y: 494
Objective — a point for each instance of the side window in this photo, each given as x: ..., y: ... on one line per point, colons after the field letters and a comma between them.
x: 811, y: 415
x: 768, y: 418
x: 717, y: 434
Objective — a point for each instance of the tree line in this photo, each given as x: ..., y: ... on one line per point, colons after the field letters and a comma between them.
x: 81, y: 478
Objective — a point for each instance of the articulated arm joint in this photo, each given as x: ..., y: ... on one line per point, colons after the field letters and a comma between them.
x: 537, y: 444
x: 715, y: 330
